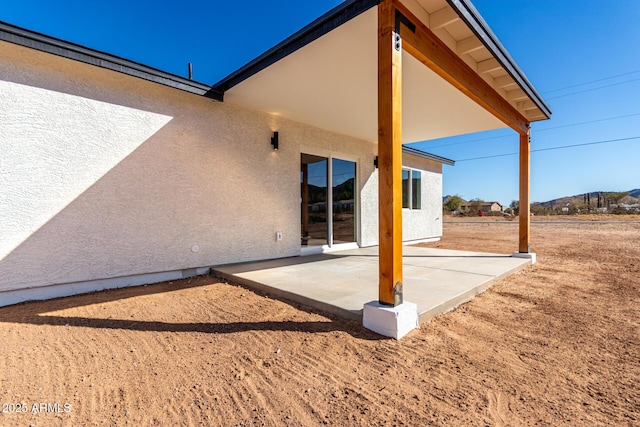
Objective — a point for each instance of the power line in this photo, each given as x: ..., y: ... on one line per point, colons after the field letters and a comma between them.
x: 587, y: 122
x: 595, y: 88
x: 537, y: 130
x: 550, y: 148
x: 586, y: 143
x: 592, y: 81
x: 560, y: 96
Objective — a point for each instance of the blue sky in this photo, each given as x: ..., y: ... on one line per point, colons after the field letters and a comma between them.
x: 582, y: 57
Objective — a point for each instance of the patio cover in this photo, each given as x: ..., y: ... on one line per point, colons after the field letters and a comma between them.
x: 396, y: 72
x: 326, y: 75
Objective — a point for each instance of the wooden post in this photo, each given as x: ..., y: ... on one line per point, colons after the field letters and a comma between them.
x: 389, y: 156
x: 525, y: 201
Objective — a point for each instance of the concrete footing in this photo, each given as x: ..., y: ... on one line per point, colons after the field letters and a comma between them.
x: 394, y: 322
x: 527, y: 255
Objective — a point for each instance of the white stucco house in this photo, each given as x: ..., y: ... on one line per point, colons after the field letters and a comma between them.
x: 114, y: 174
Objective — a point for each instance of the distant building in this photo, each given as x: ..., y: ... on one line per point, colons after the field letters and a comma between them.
x: 635, y: 207
x: 485, y: 207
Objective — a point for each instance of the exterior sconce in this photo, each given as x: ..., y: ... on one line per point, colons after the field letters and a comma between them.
x: 274, y: 141
x: 375, y: 162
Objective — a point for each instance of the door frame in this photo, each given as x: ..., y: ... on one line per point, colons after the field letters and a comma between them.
x: 330, y: 246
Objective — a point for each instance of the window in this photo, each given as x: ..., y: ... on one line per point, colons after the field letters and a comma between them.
x: 411, y: 189
x: 405, y: 188
x: 416, y: 187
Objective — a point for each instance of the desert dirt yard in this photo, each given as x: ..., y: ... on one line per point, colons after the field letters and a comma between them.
x: 556, y: 344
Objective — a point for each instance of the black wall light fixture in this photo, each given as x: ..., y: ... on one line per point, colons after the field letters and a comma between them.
x: 274, y: 141
x: 375, y: 162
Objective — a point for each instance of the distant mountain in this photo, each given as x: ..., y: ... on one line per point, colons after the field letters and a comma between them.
x: 445, y: 198
x: 612, y: 196
x: 631, y: 196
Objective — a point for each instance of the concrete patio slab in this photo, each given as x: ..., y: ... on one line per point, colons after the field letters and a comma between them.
x: 437, y: 280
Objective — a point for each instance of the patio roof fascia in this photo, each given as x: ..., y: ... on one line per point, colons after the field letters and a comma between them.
x: 428, y: 156
x: 31, y: 39
x: 470, y: 15
x: 324, y: 24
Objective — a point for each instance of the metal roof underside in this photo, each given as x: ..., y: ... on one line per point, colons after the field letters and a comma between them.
x: 326, y: 75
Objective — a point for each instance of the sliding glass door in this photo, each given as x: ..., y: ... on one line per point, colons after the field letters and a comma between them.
x: 328, y: 201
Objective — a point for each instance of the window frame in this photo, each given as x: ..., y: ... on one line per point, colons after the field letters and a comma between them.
x: 409, y: 192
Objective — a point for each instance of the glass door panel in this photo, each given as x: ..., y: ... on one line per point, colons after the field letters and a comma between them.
x: 313, y: 190
x: 343, y: 180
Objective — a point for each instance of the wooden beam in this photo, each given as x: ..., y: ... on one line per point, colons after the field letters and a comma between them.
x: 534, y: 115
x: 468, y: 45
x: 525, y: 201
x: 504, y: 82
x: 443, y: 17
x: 516, y: 95
x: 389, y: 156
x: 527, y: 105
x: 427, y: 48
x: 488, y: 66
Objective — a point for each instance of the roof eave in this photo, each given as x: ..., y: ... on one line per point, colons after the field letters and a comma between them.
x: 34, y: 40
x: 428, y: 156
x: 324, y: 24
x: 470, y: 15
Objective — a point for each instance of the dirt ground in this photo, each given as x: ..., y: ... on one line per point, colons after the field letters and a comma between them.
x: 556, y: 344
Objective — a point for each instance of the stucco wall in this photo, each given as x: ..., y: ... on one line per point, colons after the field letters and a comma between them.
x: 424, y: 223
x: 369, y: 206
x: 417, y: 224
x: 104, y: 175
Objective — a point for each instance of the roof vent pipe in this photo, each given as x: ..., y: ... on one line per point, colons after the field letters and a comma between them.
x: 190, y: 71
